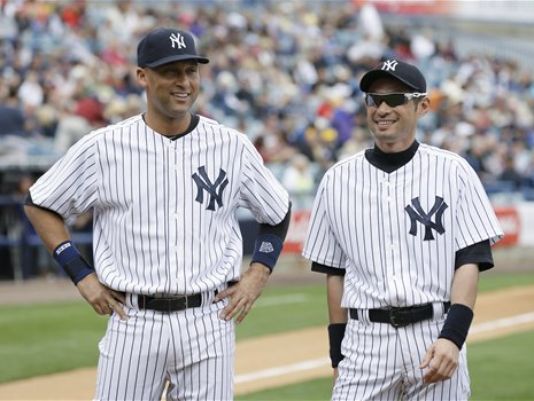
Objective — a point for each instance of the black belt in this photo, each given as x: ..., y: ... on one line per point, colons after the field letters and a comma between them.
x: 169, y: 304
x: 173, y: 304
x: 400, y: 316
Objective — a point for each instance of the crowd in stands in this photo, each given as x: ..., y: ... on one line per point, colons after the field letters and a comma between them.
x: 284, y: 73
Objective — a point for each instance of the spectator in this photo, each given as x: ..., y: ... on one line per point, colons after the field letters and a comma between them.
x: 11, y: 121
x: 299, y: 181
x: 510, y: 174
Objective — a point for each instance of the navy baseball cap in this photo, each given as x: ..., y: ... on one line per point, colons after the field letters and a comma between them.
x: 166, y: 45
x: 408, y: 74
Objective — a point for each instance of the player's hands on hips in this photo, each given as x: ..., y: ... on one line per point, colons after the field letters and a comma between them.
x: 103, y: 300
x: 244, y: 293
x: 441, y: 359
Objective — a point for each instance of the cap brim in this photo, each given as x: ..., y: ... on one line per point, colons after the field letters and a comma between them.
x: 372, y: 76
x: 172, y: 59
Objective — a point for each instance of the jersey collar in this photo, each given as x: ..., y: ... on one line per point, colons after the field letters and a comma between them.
x: 390, y: 162
x: 192, y: 125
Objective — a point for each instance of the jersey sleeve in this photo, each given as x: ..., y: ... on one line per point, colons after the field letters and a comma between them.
x: 321, y: 245
x: 260, y: 191
x: 69, y: 187
x: 475, y: 218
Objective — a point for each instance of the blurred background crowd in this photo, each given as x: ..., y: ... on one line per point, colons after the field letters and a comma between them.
x: 285, y: 73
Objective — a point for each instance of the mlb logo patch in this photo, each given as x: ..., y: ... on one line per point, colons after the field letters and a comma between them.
x: 266, y: 247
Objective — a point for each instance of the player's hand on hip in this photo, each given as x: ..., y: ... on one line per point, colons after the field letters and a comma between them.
x: 103, y: 300
x: 440, y: 360
x: 244, y: 293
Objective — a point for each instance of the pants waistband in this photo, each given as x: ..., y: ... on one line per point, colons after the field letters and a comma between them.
x: 400, y: 316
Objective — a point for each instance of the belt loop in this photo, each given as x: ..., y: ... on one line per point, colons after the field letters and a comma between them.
x: 363, y: 316
x: 438, y: 309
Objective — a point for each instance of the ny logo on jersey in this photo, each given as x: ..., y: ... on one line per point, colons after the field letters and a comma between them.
x: 417, y: 214
x: 214, y: 190
x: 390, y: 65
x: 177, y: 40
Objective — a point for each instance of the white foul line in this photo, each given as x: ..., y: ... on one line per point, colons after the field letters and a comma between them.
x: 501, y: 323
x: 322, y: 362
x: 280, y: 300
x: 282, y: 370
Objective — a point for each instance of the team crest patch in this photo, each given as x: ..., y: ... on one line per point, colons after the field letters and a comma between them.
x: 266, y: 247
x: 215, y: 190
x: 417, y: 214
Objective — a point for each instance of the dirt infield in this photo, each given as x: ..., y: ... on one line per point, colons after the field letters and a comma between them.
x: 258, y: 367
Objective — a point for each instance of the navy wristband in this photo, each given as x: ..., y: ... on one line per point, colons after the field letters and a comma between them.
x: 267, y: 249
x: 72, y: 262
x: 457, y: 324
x: 336, y: 332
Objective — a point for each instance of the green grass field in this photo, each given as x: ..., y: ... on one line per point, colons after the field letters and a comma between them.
x: 496, y: 280
x: 48, y: 338
x: 55, y: 337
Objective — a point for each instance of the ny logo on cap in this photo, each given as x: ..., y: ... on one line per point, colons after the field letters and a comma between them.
x: 390, y: 65
x: 178, y: 40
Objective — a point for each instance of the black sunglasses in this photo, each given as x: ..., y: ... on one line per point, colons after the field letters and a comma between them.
x: 391, y: 99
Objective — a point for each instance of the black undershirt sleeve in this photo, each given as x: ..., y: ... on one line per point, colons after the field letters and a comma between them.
x: 479, y: 253
x: 320, y: 268
x: 280, y: 230
x: 29, y: 201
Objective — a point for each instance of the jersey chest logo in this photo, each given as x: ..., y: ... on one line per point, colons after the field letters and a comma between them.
x: 417, y: 214
x: 215, y: 190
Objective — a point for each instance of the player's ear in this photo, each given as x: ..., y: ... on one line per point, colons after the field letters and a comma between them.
x: 423, y: 107
x: 140, y: 74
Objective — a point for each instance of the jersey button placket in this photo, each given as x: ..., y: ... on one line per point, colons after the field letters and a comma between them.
x: 391, y: 246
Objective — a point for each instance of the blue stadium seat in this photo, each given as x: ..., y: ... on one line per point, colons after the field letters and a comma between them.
x: 499, y: 186
x: 528, y: 194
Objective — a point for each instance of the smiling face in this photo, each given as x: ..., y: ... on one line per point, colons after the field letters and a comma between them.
x: 394, y: 127
x: 171, y: 90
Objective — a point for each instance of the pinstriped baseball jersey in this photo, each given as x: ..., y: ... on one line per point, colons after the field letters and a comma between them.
x: 164, y: 210
x: 397, y: 234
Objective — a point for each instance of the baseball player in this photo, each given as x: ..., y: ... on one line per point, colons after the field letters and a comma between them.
x: 401, y: 231
x: 164, y: 188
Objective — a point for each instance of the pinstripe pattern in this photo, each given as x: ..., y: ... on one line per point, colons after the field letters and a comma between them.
x: 192, y: 349
x: 360, y: 222
x: 158, y: 231
x: 150, y: 234
x: 384, y: 264
x: 382, y: 363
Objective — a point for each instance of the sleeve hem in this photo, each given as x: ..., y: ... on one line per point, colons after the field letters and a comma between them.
x: 334, y: 271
